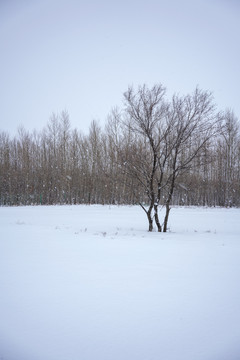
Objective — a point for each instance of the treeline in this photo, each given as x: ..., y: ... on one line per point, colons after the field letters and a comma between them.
x: 60, y: 165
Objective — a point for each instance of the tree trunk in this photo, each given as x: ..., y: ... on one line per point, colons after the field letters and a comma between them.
x: 150, y: 220
x: 157, y: 218
x: 168, y: 202
x: 166, y: 217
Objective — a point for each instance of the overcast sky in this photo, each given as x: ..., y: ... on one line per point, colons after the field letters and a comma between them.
x: 80, y: 56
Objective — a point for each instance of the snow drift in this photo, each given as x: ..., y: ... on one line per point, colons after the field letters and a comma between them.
x: 89, y: 282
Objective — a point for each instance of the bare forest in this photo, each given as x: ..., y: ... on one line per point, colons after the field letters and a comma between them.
x: 153, y: 152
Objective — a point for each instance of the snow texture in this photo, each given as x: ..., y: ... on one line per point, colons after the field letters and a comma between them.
x: 89, y: 282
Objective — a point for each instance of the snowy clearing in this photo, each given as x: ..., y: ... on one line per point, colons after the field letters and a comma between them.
x: 89, y: 283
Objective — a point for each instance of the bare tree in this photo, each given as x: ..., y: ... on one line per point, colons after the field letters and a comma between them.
x: 166, y: 138
x: 144, y: 112
x: 195, y: 122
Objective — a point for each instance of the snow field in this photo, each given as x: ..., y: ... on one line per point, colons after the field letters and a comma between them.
x: 89, y: 282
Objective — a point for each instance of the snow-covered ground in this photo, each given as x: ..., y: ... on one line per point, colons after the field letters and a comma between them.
x: 90, y: 283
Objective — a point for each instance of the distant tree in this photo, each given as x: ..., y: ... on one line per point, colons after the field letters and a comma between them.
x: 5, y: 168
x: 153, y: 152
x: 228, y: 160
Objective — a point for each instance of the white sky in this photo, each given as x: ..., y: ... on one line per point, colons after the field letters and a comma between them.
x: 80, y: 56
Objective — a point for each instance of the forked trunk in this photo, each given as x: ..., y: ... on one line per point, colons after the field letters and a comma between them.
x: 149, y: 216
